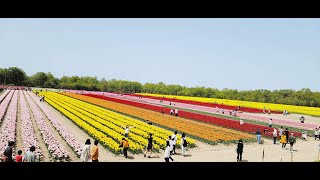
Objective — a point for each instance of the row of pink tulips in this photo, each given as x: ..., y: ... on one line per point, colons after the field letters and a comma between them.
x: 28, y: 134
x: 56, y: 149
x: 63, y: 131
x: 3, y: 95
x: 4, y: 105
x: 8, y: 129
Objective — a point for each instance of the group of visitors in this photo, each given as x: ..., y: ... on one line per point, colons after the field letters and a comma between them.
x: 171, y: 146
x: 88, y: 153
x: 29, y: 156
x: 174, y: 112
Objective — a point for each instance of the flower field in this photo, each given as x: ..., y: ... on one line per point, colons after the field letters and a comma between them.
x: 110, y: 123
x: 275, y: 107
x: 247, y: 127
x: 63, y: 131
x: 209, y: 133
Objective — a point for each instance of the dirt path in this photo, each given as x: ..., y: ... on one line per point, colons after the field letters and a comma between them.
x: 45, y: 152
x: 72, y: 155
x: 19, y: 145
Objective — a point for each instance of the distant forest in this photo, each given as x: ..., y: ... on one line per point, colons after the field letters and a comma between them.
x: 16, y: 76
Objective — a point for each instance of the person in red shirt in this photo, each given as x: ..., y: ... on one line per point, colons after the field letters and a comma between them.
x: 19, y: 157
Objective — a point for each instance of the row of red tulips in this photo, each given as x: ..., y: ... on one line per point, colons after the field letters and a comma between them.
x: 247, y: 127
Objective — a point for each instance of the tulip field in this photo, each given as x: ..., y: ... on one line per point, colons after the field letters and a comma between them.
x: 313, y: 111
x: 209, y: 133
x: 103, y: 116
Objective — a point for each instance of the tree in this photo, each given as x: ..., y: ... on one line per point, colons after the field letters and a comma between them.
x: 13, y: 75
x: 39, y: 79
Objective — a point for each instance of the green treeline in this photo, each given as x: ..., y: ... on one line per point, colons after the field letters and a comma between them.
x: 16, y: 76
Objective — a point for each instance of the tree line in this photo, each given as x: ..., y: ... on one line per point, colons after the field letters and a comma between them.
x: 16, y: 76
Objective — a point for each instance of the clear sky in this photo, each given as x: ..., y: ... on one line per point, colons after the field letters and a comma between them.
x: 239, y: 54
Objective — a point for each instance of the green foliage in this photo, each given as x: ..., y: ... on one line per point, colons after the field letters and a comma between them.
x: 16, y: 76
x: 13, y: 76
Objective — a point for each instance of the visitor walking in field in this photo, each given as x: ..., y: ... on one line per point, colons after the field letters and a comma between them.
x: 304, y: 136
x: 30, y: 156
x: 174, y: 141
x: 287, y: 134
x: 95, y: 152
x: 283, y: 141
x: 176, y: 112
x: 170, y: 144
x: 239, y: 150
x: 280, y: 131
x: 269, y: 111
x: 316, y: 134
x: 8, y: 152
x: 149, y: 146
x: 183, y: 144
x: 292, y: 140
x: 241, y: 121
x: 270, y: 123
x: 275, y: 134
x: 125, y: 146
x: 167, y: 154
x: 258, y: 133
x: 85, y: 151
x: 171, y: 111
x: 126, y: 130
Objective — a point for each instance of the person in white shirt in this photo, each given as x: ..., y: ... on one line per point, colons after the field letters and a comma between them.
x: 241, y: 121
x: 85, y: 151
x: 174, y: 142
x: 304, y: 135
x: 171, y: 145
x: 316, y: 134
x: 126, y: 130
x: 183, y: 144
x: 171, y: 112
x: 275, y: 134
x: 270, y: 123
x: 280, y: 131
x: 176, y: 112
x: 167, y: 155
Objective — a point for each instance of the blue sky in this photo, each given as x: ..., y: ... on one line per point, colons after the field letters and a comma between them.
x: 239, y: 54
